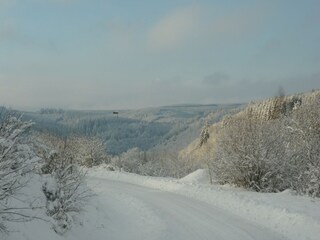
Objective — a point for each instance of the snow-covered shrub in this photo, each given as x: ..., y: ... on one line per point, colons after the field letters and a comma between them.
x: 272, y: 153
x: 16, y: 159
x: 249, y: 154
x: 159, y: 163
x: 131, y: 161
x: 49, y: 165
x: 311, y: 181
x: 65, y: 194
x: 65, y: 189
x: 88, y: 151
x: 167, y: 163
x: 85, y: 151
x: 303, y: 131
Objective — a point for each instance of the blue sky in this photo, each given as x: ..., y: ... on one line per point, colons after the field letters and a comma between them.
x: 130, y: 54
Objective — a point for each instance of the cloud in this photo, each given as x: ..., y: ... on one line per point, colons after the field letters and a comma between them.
x: 199, y: 24
x: 43, y: 91
x: 174, y: 28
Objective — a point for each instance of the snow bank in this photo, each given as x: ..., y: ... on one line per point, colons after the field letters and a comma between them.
x: 86, y: 225
x: 200, y: 176
x: 293, y: 216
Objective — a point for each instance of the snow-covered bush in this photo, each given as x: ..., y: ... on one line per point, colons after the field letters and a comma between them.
x: 85, y: 151
x: 65, y: 189
x: 159, y: 163
x: 65, y: 193
x: 131, y: 161
x: 16, y: 159
x: 88, y: 151
x: 310, y: 181
x: 164, y: 163
x: 303, y: 131
x: 249, y: 154
x: 271, y: 154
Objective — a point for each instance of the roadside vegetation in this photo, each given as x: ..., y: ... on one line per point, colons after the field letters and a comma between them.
x: 271, y: 146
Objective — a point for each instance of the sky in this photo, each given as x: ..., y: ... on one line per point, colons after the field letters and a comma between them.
x: 124, y: 54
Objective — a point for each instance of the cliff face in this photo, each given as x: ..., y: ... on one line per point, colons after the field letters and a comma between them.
x: 264, y: 110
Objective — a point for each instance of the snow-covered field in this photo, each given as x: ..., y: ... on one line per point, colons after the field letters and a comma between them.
x: 129, y: 206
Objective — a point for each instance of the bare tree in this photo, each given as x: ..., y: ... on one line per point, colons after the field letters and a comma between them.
x: 204, y: 135
x: 206, y: 155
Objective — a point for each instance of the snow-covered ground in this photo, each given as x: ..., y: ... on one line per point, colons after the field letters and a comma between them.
x: 129, y: 206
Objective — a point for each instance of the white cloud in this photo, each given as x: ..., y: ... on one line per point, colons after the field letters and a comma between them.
x: 203, y: 24
x: 175, y: 28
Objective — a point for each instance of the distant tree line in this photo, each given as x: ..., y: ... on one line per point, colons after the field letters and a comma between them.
x: 51, y: 111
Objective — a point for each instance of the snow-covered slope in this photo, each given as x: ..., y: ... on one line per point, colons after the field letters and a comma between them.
x: 265, y: 110
x: 162, y: 127
x: 129, y: 206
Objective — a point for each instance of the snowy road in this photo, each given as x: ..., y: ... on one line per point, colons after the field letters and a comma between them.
x: 128, y: 211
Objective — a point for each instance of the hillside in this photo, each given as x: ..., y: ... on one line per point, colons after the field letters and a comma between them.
x: 164, y: 127
x: 264, y: 110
